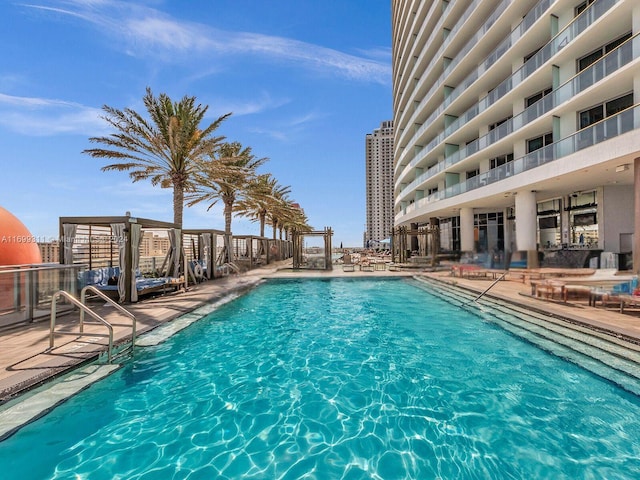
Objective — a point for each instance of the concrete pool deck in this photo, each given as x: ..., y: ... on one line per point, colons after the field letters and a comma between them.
x: 25, y: 360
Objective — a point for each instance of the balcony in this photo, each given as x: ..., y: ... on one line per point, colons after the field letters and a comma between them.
x: 607, y: 65
x: 561, y: 40
x: 602, y: 131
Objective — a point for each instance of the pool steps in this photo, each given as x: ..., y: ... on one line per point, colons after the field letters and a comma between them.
x: 599, y: 352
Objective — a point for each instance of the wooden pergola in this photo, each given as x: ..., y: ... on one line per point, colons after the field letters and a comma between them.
x: 428, y: 243
x: 103, y: 241
x: 203, y: 245
x: 299, y: 258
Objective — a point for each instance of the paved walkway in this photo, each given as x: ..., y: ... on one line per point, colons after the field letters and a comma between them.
x: 26, y: 361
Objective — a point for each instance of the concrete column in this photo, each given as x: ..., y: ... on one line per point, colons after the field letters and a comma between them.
x: 413, y: 240
x: 507, y: 231
x: 526, y: 217
x: 467, y: 241
x: 636, y: 214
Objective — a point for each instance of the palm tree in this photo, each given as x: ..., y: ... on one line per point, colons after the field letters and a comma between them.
x: 262, y: 193
x: 284, y: 212
x: 165, y: 149
x: 276, y: 211
x: 293, y: 218
x: 225, y: 176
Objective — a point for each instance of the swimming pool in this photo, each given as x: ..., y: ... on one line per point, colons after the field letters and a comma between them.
x: 337, y: 379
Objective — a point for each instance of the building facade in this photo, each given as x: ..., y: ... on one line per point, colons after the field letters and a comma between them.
x: 517, y: 125
x: 379, y: 185
x: 153, y: 245
x: 50, y: 251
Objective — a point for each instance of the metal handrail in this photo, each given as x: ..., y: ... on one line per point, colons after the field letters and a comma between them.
x: 488, y: 288
x: 83, y: 308
x: 120, y: 308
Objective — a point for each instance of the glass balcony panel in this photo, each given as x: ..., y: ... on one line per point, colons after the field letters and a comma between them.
x: 596, y: 72
x: 604, y: 130
x: 527, y: 22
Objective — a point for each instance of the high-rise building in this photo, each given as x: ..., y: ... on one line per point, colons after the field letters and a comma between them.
x: 153, y: 245
x: 379, y: 180
x: 50, y: 251
x: 517, y: 125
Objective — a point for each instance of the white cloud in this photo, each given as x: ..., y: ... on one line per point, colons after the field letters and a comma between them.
x: 246, y: 107
x: 381, y: 53
x: 42, y: 116
x: 304, y: 119
x: 275, y: 134
x: 148, y: 31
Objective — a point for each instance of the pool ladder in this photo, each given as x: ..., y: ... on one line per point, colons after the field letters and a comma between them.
x: 85, y: 309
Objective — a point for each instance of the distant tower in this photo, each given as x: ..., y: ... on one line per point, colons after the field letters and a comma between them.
x: 379, y: 175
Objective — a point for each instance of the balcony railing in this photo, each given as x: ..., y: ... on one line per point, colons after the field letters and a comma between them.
x: 561, y: 40
x: 611, y: 127
x: 528, y: 21
x: 607, y: 65
x: 26, y: 291
x: 438, y: 31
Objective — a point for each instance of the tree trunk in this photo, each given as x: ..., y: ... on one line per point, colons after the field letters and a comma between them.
x: 262, y: 223
x: 228, y: 210
x: 178, y: 203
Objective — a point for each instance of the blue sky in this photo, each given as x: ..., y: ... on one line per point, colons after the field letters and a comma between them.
x: 306, y: 80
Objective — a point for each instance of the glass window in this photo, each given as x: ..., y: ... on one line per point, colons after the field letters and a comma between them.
x: 534, y: 98
x: 489, y: 235
x: 530, y: 55
x: 539, y: 142
x: 582, y: 7
x: 599, y: 112
x: 619, y: 104
x: 587, y: 60
x: 591, y: 116
x: 501, y: 160
x: 493, y: 126
x: 616, y: 43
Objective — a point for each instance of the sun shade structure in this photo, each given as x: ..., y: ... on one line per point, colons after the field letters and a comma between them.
x: 203, y: 250
x: 319, y: 259
x: 424, y: 241
x: 111, y: 247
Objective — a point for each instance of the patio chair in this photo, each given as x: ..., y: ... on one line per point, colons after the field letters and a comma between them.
x: 619, y: 292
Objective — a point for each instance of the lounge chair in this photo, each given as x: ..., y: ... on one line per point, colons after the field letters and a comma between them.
x: 620, y: 293
x: 101, y: 279
x: 603, y: 286
x: 629, y: 301
x: 366, y: 265
x: 549, y: 289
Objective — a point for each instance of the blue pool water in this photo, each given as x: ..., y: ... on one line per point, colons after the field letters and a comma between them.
x: 337, y: 380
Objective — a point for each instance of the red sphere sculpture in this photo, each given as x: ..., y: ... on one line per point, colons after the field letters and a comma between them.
x: 17, y: 245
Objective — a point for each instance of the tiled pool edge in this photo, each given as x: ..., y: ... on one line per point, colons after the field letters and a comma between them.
x: 38, y: 400
x: 15, y: 416
x: 50, y: 371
